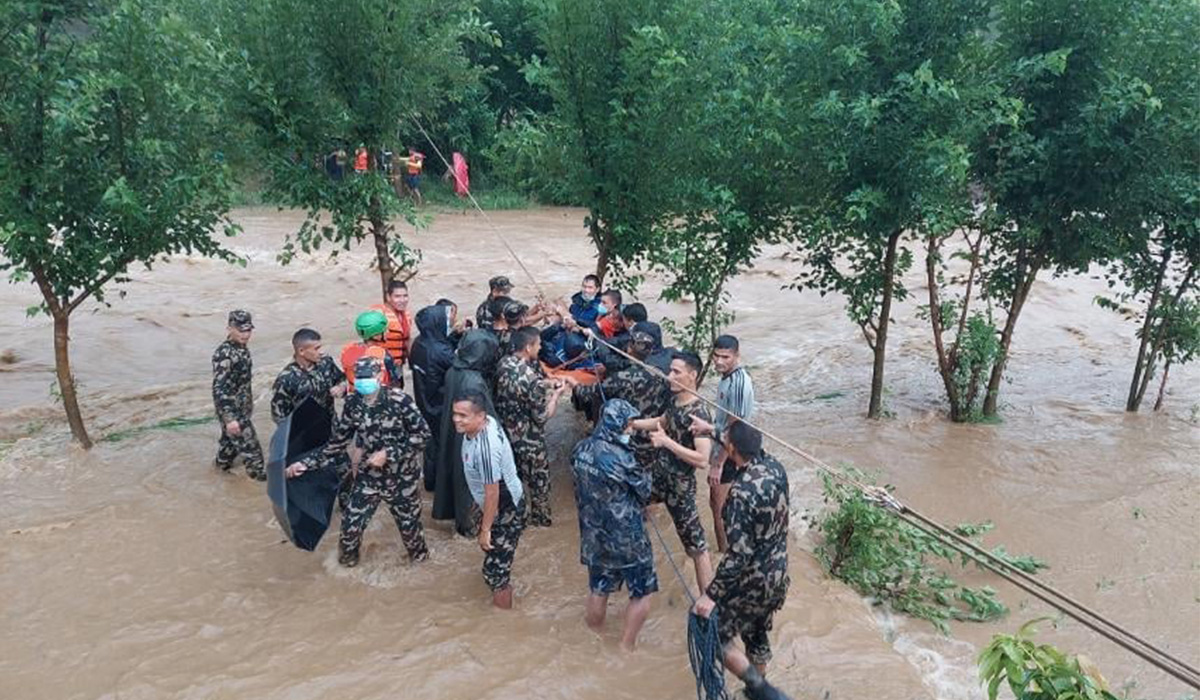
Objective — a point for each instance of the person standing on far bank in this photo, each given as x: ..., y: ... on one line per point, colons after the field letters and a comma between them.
x: 233, y: 397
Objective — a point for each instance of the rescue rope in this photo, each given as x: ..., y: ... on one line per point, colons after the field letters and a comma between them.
x: 1091, y: 619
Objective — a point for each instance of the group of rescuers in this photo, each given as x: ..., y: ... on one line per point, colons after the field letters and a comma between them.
x: 476, y: 422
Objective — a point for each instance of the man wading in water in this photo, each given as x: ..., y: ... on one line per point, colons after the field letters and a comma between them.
x: 491, y: 476
x: 680, y: 454
x: 233, y: 397
x: 311, y: 373
x: 380, y: 433
x: 735, y: 394
x: 611, y: 491
x: 752, y: 581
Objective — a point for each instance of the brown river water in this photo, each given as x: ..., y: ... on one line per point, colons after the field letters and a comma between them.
x: 136, y: 571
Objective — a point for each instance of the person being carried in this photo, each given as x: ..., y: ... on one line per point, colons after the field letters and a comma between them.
x: 233, y: 398
x: 751, y: 582
x: 680, y: 454
x: 585, y: 305
x: 610, y: 321
x: 371, y: 327
x: 491, y: 475
x: 311, y: 373
x: 380, y: 433
x: 524, y: 405
x: 648, y: 393
x: 735, y: 396
x: 611, y: 491
x: 397, y: 340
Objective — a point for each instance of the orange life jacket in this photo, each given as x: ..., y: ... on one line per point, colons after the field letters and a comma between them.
x: 415, y: 163
x: 360, y: 160
x: 399, y: 328
x: 353, y: 351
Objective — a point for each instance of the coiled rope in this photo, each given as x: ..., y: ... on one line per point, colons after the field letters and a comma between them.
x: 1065, y: 604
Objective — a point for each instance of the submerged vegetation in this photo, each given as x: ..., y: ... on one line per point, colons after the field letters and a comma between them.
x: 881, y: 556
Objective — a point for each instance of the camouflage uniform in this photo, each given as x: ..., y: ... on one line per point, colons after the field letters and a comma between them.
x: 675, y: 480
x: 233, y: 397
x: 521, y: 403
x: 294, y: 383
x: 648, y: 394
x: 751, y: 582
x: 393, y: 424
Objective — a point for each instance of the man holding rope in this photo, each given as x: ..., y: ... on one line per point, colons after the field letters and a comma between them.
x: 751, y: 582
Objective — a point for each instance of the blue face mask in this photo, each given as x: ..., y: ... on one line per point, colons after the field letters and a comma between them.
x: 366, y: 386
x: 623, y: 438
x: 602, y: 309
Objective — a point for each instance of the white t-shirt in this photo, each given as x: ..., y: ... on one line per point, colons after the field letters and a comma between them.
x: 488, y: 459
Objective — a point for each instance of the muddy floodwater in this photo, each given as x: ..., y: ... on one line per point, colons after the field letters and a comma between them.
x: 135, y: 571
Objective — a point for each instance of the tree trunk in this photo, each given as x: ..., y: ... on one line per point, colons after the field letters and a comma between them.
x: 380, y: 231
x: 601, y: 239
x: 885, y: 309
x: 945, y: 366
x: 991, y: 401
x: 1162, y: 387
x: 66, y: 382
x: 1134, y: 402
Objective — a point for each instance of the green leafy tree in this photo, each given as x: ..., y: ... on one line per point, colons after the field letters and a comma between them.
x: 355, y: 74
x: 1148, y: 104
x: 109, y: 119
x: 599, y: 128
x: 1045, y: 178
x: 878, y: 127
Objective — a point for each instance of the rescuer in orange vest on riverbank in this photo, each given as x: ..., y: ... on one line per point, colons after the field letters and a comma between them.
x: 398, y: 339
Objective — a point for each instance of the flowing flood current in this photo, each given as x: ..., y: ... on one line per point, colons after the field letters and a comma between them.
x: 137, y: 571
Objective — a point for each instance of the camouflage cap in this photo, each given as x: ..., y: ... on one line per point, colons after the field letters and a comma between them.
x: 366, y: 367
x: 240, y: 319
x: 500, y: 282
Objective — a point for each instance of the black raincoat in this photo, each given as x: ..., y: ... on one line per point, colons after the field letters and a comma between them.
x: 477, y: 352
x: 432, y: 355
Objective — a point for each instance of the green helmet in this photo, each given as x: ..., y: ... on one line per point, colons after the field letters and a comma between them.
x: 370, y: 324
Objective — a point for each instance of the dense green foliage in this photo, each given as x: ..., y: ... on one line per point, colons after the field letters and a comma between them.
x: 111, y: 138
x: 999, y: 141
x: 1037, y: 671
x: 883, y: 557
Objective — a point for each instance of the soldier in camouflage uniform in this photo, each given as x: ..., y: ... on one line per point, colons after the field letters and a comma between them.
x: 485, y: 315
x: 611, y: 492
x: 524, y: 404
x: 233, y: 397
x: 752, y: 581
x: 311, y: 373
x: 679, y: 455
x: 380, y: 434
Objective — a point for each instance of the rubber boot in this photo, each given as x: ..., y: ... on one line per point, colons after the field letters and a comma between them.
x: 757, y: 687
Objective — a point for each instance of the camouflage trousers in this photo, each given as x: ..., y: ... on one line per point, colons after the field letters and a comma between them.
x: 678, y: 492
x: 749, y: 617
x: 506, y: 532
x: 401, y: 492
x: 534, y: 469
x: 244, y: 444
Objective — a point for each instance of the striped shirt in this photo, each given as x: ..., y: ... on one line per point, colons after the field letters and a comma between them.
x: 735, y: 393
x: 488, y: 459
